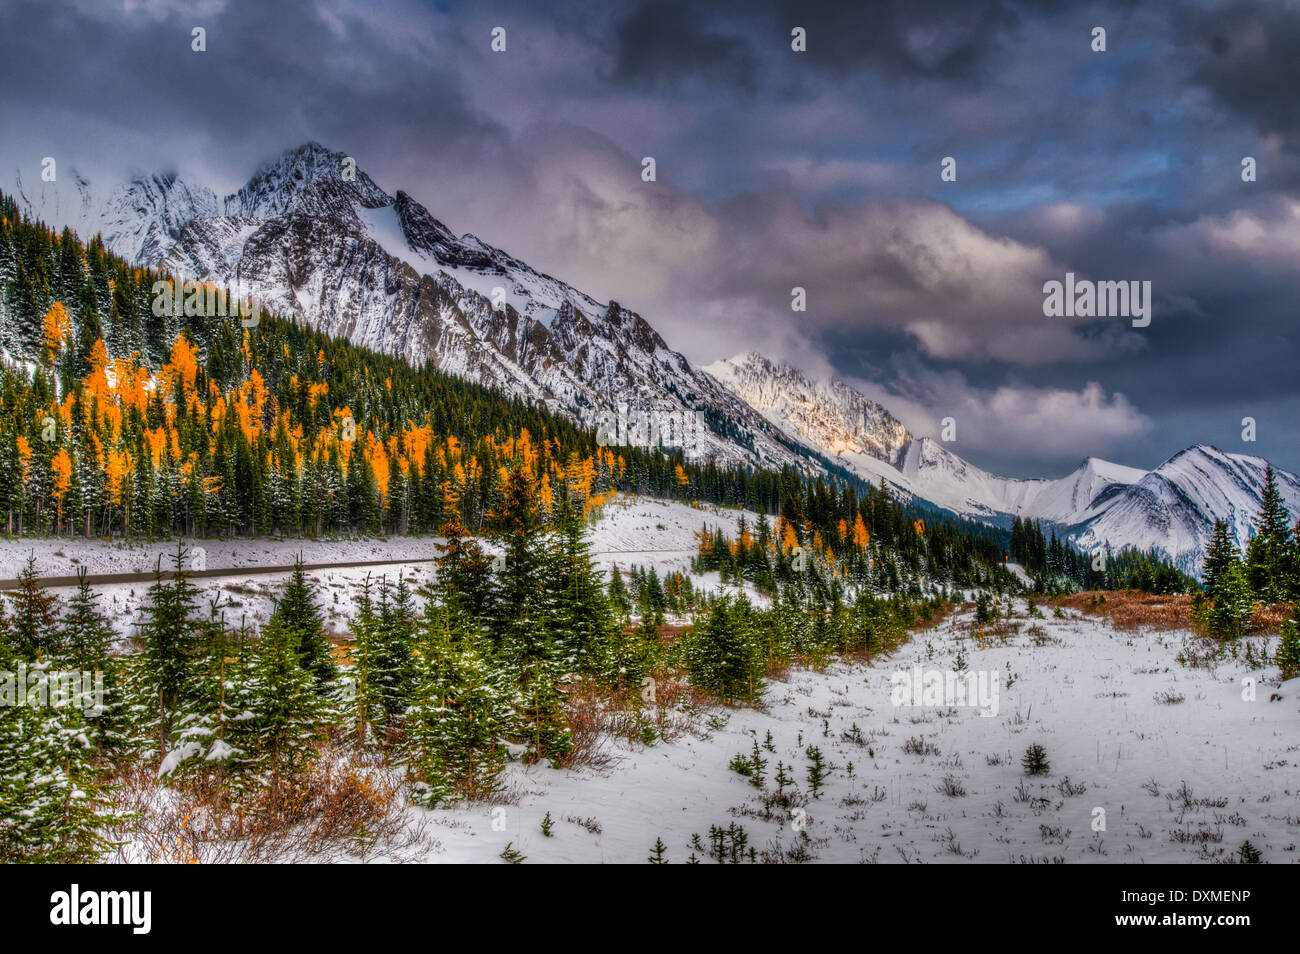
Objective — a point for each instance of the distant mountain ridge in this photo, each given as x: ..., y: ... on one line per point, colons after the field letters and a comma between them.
x: 1171, y: 509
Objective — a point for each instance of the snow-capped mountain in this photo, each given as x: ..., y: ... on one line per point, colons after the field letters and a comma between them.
x: 322, y: 241
x: 859, y: 433
x: 828, y: 415
x: 1171, y: 509
x: 315, y: 237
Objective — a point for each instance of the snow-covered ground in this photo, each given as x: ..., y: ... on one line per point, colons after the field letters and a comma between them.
x: 63, y: 557
x: 1180, y: 765
x: 630, y: 531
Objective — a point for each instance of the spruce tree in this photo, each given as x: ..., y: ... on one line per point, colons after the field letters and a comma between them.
x: 215, y: 736
x: 1226, y: 587
x: 515, y: 523
x: 33, y: 616
x: 86, y: 638
x: 384, y: 640
x: 1220, y: 553
x: 366, y: 664
x: 618, y: 595
x: 540, y: 720
x: 52, y: 808
x: 170, y: 632
x: 289, y: 712
x: 581, y: 623
x: 1269, y: 555
x: 463, y: 704
x: 723, y: 653
x: 1233, y: 603
x: 464, y: 569
x: 297, y: 613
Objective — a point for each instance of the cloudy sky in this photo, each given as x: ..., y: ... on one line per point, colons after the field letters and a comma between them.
x: 777, y: 169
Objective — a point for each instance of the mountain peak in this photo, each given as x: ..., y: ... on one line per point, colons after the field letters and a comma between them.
x: 310, y: 174
x: 825, y: 414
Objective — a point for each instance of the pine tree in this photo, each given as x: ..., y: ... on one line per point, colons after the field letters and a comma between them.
x: 297, y: 613
x: 170, y: 633
x: 515, y: 523
x: 384, y: 637
x: 618, y: 595
x: 1226, y: 587
x: 581, y: 623
x: 1233, y: 603
x: 33, y: 616
x: 1035, y: 761
x: 51, y: 807
x: 723, y: 653
x: 464, y: 578
x: 658, y: 854
x: 290, y: 713
x: 463, y: 706
x: 1269, y: 555
x: 1220, y: 553
x: 540, y: 721
x: 366, y: 668
x: 86, y: 640
x: 215, y: 736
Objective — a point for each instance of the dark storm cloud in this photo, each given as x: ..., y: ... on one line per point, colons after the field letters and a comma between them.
x: 1247, y: 54
x: 950, y: 41
x: 664, y: 41
x: 272, y: 76
x: 778, y: 169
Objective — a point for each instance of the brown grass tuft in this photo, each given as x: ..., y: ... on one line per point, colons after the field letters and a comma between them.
x: 1132, y: 610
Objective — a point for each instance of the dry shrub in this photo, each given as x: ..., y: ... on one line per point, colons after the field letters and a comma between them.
x: 669, y: 633
x: 1268, y: 620
x: 921, y: 624
x: 593, y: 715
x: 597, y: 714
x: 1133, y: 610
x: 348, y: 802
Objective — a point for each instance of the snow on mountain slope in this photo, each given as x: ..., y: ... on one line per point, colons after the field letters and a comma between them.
x: 380, y: 270
x: 829, y: 415
x: 1172, y: 509
x: 139, y: 220
x: 863, y: 436
x: 941, y: 477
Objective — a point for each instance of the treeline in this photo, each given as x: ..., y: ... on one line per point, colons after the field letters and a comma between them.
x: 117, y: 421
x: 1055, y: 565
x: 831, y: 541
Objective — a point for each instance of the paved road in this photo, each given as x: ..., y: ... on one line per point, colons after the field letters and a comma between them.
x: 106, y: 578
x: 103, y: 579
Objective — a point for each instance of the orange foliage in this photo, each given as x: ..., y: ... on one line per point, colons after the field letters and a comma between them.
x: 55, y: 326
x: 61, y: 471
